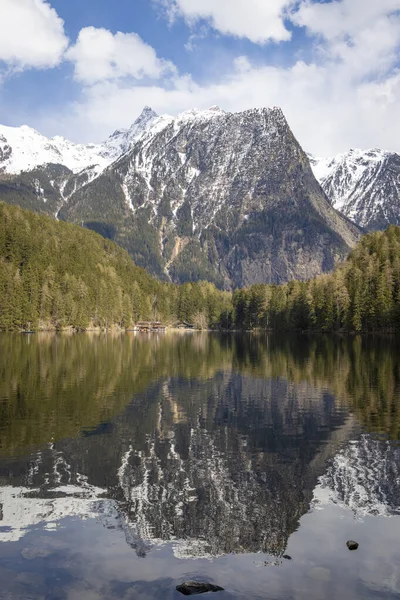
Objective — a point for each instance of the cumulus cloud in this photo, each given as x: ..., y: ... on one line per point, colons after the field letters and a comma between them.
x: 347, y: 95
x: 341, y: 17
x: 258, y: 20
x: 363, y: 34
x: 99, y: 55
x: 31, y: 34
x: 327, y: 112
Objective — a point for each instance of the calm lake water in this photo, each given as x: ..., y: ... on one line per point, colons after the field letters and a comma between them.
x: 129, y: 464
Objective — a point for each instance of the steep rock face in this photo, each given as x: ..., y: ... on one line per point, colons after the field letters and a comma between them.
x: 362, y: 184
x: 39, y: 189
x: 219, y: 196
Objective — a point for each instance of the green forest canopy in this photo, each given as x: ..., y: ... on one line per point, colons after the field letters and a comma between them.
x: 55, y: 275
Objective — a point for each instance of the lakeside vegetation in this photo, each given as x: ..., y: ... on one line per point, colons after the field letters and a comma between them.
x: 55, y: 275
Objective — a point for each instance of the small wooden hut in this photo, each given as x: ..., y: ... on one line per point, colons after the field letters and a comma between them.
x: 150, y: 326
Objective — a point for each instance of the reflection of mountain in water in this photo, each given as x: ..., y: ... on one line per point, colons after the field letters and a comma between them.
x: 220, y: 445
x: 364, y: 476
x: 231, y: 469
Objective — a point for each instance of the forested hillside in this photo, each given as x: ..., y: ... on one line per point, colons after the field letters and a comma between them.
x: 361, y: 294
x: 55, y: 275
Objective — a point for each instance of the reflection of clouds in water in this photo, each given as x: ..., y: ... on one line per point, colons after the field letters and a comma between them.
x: 22, y: 510
x: 365, y: 477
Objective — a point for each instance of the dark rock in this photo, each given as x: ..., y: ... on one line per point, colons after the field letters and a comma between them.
x: 194, y: 587
x: 352, y: 545
x: 287, y: 557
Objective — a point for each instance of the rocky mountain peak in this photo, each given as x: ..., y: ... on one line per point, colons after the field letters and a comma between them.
x: 147, y: 113
x: 228, y: 197
x: 122, y: 139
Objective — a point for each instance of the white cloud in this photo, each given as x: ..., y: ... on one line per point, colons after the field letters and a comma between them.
x: 327, y: 112
x: 258, y: 20
x: 363, y: 34
x: 347, y: 96
x: 99, y: 56
x: 342, y: 17
x: 31, y: 34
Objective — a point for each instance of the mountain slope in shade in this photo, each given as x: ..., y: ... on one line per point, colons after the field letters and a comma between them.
x: 228, y: 197
x: 362, y: 184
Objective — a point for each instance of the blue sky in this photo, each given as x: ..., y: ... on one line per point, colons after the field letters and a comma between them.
x: 84, y: 68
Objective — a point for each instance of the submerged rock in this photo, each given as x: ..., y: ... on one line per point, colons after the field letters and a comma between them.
x: 352, y: 545
x: 287, y: 557
x: 34, y: 553
x: 194, y: 587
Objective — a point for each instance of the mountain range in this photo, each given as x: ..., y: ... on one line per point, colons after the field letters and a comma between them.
x: 228, y: 197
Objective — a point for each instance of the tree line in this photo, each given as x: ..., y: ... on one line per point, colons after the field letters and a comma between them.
x: 55, y: 275
x: 362, y: 294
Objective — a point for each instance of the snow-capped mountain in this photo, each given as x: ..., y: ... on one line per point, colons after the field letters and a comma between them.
x: 228, y: 197
x: 362, y: 184
x: 121, y: 140
x: 24, y: 149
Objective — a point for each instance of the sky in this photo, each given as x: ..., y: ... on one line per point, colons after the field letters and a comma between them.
x: 84, y: 68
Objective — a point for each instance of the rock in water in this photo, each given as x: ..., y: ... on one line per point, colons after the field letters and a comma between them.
x: 194, y: 587
x: 352, y: 545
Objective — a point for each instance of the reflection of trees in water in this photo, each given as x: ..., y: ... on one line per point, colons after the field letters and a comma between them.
x: 219, y: 442
x: 55, y: 384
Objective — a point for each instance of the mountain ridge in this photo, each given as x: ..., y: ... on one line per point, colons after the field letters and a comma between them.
x: 362, y: 184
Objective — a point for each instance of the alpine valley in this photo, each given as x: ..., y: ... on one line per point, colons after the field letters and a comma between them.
x: 227, y: 197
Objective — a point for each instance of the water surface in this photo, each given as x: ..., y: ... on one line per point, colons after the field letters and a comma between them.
x: 131, y: 463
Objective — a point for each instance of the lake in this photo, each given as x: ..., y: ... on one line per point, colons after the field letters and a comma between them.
x: 131, y: 463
